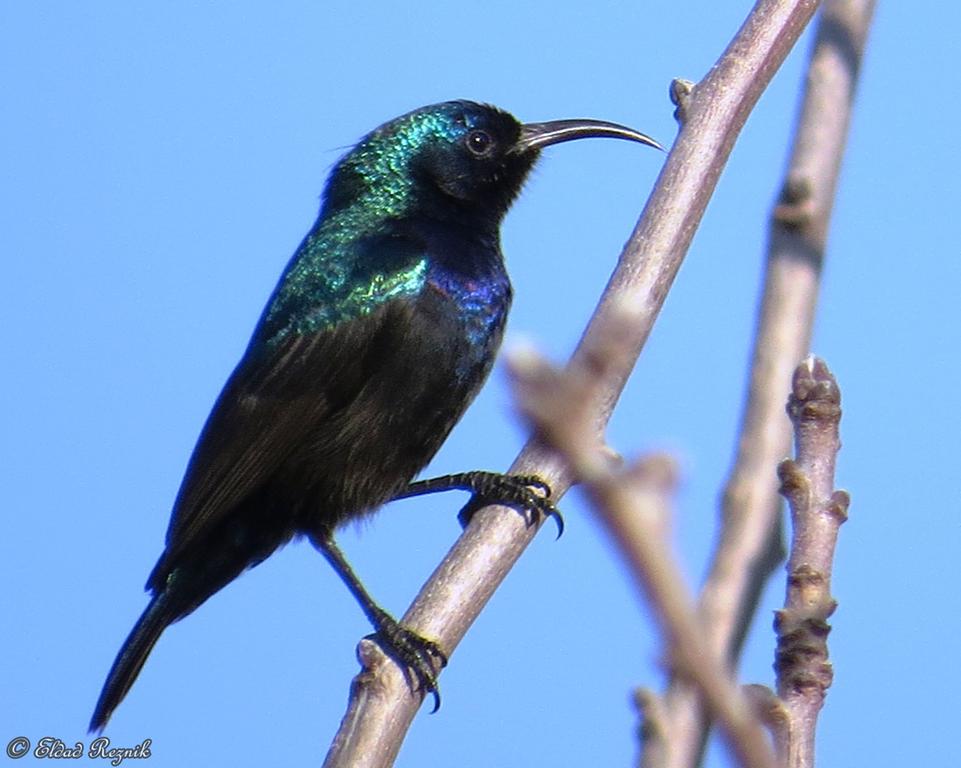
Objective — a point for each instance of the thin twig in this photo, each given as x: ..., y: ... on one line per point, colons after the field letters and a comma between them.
x: 803, y: 671
x: 632, y: 507
x: 382, y: 706
x: 749, y: 546
x: 654, y: 731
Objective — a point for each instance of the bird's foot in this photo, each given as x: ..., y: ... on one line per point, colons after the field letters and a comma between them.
x: 417, y: 655
x: 527, y: 492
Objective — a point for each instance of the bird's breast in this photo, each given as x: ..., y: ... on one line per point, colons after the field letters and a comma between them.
x: 475, y: 309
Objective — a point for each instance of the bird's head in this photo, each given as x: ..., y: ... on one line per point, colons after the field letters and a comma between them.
x: 458, y: 158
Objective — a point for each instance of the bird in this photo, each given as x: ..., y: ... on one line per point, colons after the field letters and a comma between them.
x: 381, y: 330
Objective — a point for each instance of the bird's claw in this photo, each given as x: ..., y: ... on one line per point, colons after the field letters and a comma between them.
x: 417, y: 655
x: 529, y: 492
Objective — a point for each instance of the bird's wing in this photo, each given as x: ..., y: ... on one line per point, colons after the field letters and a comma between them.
x: 279, y: 396
x: 266, y: 408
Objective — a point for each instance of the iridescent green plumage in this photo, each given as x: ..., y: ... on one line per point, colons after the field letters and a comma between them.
x: 362, y: 251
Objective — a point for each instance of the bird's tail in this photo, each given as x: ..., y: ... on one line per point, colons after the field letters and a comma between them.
x: 141, y: 640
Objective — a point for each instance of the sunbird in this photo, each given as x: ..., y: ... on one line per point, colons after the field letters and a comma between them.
x: 380, y: 332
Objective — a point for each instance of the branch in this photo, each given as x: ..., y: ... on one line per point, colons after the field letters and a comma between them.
x: 817, y: 511
x: 631, y: 506
x: 750, y: 545
x: 382, y: 706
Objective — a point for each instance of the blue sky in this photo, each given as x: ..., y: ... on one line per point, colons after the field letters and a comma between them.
x: 161, y: 162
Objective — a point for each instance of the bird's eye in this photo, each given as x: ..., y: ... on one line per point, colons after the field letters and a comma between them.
x: 480, y: 143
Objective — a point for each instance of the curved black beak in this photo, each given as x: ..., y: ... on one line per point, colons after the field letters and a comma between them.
x: 535, y: 136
